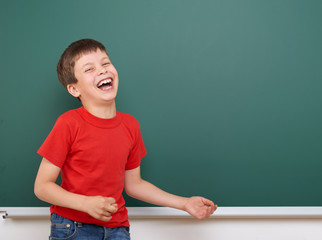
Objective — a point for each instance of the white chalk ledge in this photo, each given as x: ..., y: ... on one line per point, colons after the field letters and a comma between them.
x: 163, y: 212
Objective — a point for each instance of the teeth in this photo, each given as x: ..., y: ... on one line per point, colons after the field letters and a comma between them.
x: 104, y: 82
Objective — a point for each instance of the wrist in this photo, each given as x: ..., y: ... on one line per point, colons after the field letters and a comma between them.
x: 183, y: 203
x: 81, y: 203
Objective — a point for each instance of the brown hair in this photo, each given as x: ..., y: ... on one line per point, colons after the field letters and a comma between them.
x: 66, y: 63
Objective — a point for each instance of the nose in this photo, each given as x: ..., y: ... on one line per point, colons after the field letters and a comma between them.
x: 103, y: 70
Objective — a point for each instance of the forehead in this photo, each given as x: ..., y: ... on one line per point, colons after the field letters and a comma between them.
x: 90, y: 57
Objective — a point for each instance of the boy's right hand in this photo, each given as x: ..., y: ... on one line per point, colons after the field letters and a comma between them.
x: 100, y: 207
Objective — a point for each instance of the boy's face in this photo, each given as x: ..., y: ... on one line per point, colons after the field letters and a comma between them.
x: 97, y: 79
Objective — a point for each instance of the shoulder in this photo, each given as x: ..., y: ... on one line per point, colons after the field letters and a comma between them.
x: 132, y: 126
x: 71, y: 115
x: 69, y: 119
x: 128, y: 118
x: 129, y: 121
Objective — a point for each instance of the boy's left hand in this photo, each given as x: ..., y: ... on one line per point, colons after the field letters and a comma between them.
x: 199, y: 207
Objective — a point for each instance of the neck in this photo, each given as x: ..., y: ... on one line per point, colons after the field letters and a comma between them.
x: 104, y: 111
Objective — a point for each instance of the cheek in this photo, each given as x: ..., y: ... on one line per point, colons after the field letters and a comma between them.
x: 113, y: 70
x: 116, y: 76
x: 115, y: 73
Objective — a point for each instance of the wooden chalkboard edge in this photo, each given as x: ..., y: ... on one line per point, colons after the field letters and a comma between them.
x: 163, y: 212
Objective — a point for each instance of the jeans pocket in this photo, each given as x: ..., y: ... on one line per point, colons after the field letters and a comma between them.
x: 126, y: 230
x: 62, y: 228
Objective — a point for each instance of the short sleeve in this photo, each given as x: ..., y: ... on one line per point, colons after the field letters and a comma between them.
x: 137, y: 153
x: 57, y: 144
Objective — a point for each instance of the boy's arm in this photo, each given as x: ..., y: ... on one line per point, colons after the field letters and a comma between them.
x: 47, y: 190
x: 138, y: 188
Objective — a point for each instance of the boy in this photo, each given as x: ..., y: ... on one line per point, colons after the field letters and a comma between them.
x: 98, y: 152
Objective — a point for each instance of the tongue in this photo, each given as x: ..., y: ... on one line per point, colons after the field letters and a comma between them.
x: 105, y: 87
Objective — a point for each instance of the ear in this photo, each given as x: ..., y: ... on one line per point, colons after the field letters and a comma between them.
x: 73, y: 90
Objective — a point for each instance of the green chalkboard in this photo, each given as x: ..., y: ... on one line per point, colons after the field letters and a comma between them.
x: 228, y: 93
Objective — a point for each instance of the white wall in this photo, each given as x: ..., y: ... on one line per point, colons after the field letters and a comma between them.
x: 227, y: 229
x: 184, y: 227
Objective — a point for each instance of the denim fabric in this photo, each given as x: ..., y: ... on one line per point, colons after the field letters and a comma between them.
x: 63, y: 228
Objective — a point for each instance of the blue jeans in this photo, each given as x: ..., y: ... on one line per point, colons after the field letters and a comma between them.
x: 63, y: 228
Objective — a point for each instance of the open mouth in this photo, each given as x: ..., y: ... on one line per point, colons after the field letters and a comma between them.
x: 105, y: 84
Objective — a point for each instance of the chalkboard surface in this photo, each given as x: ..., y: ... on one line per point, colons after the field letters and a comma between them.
x: 228, y: 93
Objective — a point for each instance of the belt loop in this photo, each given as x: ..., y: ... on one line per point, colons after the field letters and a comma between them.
x: 78, y: 224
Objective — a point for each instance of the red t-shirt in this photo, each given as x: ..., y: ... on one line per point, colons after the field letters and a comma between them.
x: 93, y: 154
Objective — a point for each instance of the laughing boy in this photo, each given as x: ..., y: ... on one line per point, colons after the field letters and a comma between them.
x: 98, y: 151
